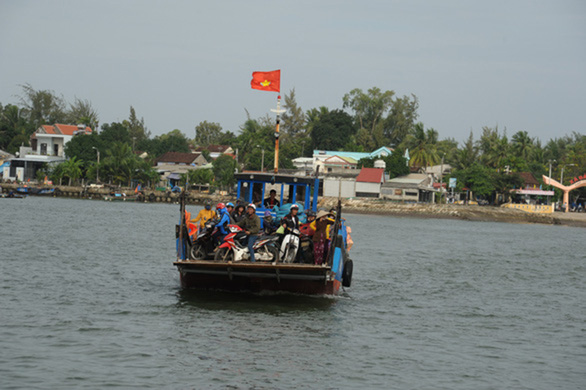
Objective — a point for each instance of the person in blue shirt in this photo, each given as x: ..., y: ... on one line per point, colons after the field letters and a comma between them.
x: 222, y: 224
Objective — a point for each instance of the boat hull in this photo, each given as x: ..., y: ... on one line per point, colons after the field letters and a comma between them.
x: 257, y: 277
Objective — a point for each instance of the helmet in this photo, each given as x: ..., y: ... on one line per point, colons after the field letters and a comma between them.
x: 220, y: 206
x: 252, y: 205
x: 229, y: 204
x: 294, y: 206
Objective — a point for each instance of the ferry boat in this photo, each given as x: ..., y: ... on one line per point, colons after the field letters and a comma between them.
x: 325, y: 279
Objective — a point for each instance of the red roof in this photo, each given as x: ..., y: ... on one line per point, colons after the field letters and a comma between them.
x: 59, y: 128
x: 371, y: 175
x: 528, y: 179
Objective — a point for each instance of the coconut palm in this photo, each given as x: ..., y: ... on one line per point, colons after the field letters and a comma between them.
x: 422, y: 146
x: 72, y: 169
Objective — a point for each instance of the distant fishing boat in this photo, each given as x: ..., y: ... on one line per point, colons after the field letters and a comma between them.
x: 120, y: 197
x: 35, y: 191
x: 272, y: 275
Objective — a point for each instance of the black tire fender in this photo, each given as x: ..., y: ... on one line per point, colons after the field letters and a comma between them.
x: 347, y: 273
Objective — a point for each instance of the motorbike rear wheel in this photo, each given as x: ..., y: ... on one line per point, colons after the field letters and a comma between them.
x: 271, y: 251
x: 224, y: 255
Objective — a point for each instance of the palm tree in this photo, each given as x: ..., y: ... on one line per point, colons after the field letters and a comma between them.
x: 522, y: 144
x: 422, y: 146
x: 72, y: 169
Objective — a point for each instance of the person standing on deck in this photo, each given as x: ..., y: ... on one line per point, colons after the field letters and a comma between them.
x: 251, y: 225
x: 271, y: 201
x: 320, y: 237
x: 204, y: 215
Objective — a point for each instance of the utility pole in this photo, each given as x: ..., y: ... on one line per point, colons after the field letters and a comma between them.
x: 98, y: 166
x: 550, y: 161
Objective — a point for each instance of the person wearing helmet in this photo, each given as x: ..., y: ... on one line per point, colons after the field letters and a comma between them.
x: 222, y: 225
x: 230, y: 209
x: 204, y: 215
x: 251, y: 226
x: 291, y: 220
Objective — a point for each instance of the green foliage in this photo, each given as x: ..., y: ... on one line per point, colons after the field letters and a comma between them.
x: 224, y: 167
x: 401, y: 119
x: 396, y: 164
x: 82, y: 112
x: 42, y: 106
x: 113, y: 133
x: 72, y: 169
x: 332, y: 130
x: 422, y: 147
x: 208, y: 133
x: 15, y: 129
x: 293, y: 119
x: 137, y: 131
x: 82, y: 148
x: 173, y: 141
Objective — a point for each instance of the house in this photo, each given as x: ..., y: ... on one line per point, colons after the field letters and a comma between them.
x: 178, y: 158
x: 47, y: 147
x: 369, y: 182
x: 336, y: 164
x: 216, y: 150
x: 415, y: 187
x: 172, y: 165
x: 303, y: 163
x: 437, y: 171
x: 50, y: 140
x: 319, y: 156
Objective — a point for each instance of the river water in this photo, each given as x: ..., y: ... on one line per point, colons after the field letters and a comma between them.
x: 89, y: 299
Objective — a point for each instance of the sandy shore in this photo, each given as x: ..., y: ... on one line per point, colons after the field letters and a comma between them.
x: 469, y: 213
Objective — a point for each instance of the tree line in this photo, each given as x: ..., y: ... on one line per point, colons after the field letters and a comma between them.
x: 366, y: 120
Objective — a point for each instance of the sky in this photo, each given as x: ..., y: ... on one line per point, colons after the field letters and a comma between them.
x: 519, y: 65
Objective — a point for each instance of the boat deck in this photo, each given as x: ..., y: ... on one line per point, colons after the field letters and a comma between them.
x: 257, y: 276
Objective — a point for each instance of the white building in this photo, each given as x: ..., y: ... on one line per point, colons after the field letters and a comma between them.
x: 47, y: 147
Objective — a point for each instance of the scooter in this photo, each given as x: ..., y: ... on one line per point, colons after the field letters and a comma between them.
x: 289, y: 246
x: 232, y: 249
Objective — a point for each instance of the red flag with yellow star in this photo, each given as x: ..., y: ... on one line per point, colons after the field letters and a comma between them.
x: 266, y: 81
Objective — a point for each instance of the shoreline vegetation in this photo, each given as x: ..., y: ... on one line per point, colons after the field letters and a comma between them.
x: 350, y: 205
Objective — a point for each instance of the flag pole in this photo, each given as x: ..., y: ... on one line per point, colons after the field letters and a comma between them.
x: 278, y: 111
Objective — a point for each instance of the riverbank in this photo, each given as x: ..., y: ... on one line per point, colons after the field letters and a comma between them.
x: 357, y: 206
x: 468, y: 213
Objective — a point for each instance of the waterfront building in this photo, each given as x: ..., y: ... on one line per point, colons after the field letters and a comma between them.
x: 319, y: 156
x: 415, y: 187
x: 47, y: 148
x: 172, y: 165
x: 369, y: 182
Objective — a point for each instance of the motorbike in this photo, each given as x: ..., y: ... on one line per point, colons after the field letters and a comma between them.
x: 232, y: 249
x: 289, y: 246
x: 204, y: 244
